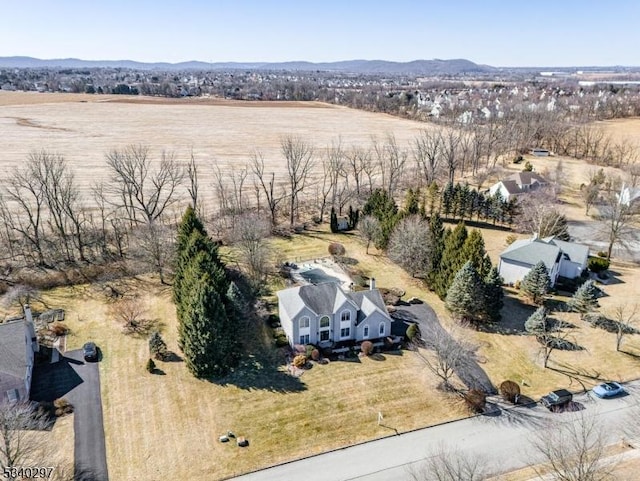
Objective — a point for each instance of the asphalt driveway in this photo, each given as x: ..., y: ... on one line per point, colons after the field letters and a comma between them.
x: 471, y: 374
x: 79, y: 382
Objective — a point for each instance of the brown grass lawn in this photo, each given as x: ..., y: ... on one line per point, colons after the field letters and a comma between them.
x: 167, y: 426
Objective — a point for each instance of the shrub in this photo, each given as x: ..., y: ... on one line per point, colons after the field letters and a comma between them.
x: 281, y: 340
x: 315, y: 355
x: 509, y: 390
x: 527, y: 167
x: 308, y: 350
x: 476, y: 400
x: 366, y: 347
x: 598, y: 264
x: 511, y: 238
x: 300, y: 361
x: 59, y: 328
x: 157, y: 347
x: 337, y: 249
x: 518, y: 159
x: 602, y: 254
x: 413, y: 332
x: 62, y: 406
x: 151, y: 366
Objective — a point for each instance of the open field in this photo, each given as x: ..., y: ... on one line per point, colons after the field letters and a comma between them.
x: 225, y: 134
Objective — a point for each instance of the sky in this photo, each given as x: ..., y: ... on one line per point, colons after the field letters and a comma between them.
x: 493, y: 32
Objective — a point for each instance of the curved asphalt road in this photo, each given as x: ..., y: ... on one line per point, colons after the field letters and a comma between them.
x: 503, y: 438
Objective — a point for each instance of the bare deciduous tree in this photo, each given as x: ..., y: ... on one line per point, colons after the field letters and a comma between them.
x: 427, y: 153
x: 143, y: 192
x: 410, y: 246
x: 194, y: 182
x: 267, y: 183
x: 573, y: 450
x: 156, y: 244
x: 299, y: 157
x: 448, y: 463
x: 625, y: 316
x: 449, y: 353
x: 131, y: 311
x: 18, y: 444
x: 391, y: 161
x: 250, y: 235
x: 369, y: 228
x: 617, y: 215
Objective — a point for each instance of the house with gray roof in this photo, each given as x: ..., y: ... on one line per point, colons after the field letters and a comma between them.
x: 18, y: 344
x: 561, y: 258
x: 517, y: 184
x: 326, y: 314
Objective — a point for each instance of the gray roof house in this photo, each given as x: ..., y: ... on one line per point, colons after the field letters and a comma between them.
x: 325, y: 314
x: 561, y: 258
x: 18, y: 343
x: 517, y: 184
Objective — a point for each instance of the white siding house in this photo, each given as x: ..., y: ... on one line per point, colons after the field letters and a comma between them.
x: 325, y: 314
x: 561, y: 258
x: 517, y: 184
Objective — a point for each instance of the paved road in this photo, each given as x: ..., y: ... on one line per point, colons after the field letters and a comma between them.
x: 503, y: 439
x: 471, y: 374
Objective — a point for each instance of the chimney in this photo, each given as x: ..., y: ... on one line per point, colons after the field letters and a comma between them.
x: 372, y: 283
x: 27, y: 313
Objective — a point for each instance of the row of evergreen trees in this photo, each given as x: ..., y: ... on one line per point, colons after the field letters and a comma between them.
x: 460, y: 202
x: 203, y: 296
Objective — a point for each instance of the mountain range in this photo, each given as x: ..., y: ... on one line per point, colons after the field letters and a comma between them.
x: 416, y: 67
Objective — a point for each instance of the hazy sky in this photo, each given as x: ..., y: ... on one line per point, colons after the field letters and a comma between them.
x: 499, y: 33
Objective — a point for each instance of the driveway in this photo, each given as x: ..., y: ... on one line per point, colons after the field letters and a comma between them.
x: 79, y: 382
x: 471, y: 374
x: 503, y: 439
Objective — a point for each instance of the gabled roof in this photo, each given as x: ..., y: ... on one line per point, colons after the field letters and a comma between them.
x: 526, y: 178
x: 328, y: 297
x: 512, y: 187
x: 532, y: 251
x: 13, y: 355
x: 575, y: 252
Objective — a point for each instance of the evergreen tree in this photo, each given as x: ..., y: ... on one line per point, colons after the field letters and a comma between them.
x: 354, y: 216
x: 208, y: 338
x: 433, y: 195
x: 473, y: 250
x: 535, y: 284
x: 452, y: 259
x: 436, y: 238
x: 189, y: 223
x: 537, y: 322
x: 412, y: 202
x: 333, y: 223
x: 585, y: 299
x: 382, y: 207
x: 447, y: 199
x: 493, y: 296
x: 157, y: 346
x: 465, y: 298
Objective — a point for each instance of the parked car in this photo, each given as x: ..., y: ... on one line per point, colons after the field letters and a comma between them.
x: 556, y: 398
x: 608, y: 389
x: 90, y: 351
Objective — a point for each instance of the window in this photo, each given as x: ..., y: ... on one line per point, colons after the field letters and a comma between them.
x: 365, y: 334
x: 381, y: 331
x: 345, y: 332
x: 324, y: 322
x: 304, y: 322
x: 304, y: 339
x: 324, y: 335
x: 345, y: 317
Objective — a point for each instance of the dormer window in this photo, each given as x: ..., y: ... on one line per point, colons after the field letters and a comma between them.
x: 345, y: 316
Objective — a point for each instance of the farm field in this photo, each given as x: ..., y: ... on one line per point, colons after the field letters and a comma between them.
x: 224, y: 134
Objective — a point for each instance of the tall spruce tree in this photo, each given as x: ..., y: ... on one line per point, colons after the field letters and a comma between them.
x: 536, y: 283
x: 452, y: 259
x: 585, y: 299
x: 474, y: 250
x: 333, y: 222
x: 493, y: 295
x: 465, y: 299
x: 208, y: 337
x: 436, y: 237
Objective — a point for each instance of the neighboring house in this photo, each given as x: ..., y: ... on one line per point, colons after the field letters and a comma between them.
x: 18, y: 343
x: 628, y: 195
x: 517, y: 184
x: 566, y: 259
x: 343, y: 223
x: 540, y: 152
x: 325, y: 314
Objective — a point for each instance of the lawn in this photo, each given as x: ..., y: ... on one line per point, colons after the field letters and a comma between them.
x: 166, y: 426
